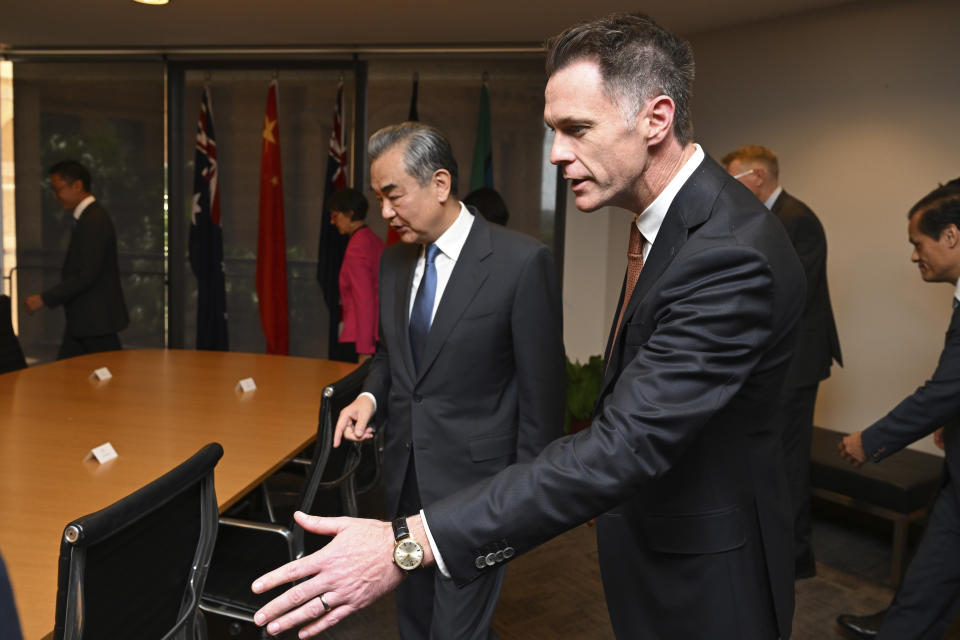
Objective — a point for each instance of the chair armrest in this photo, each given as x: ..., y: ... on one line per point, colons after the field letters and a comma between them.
x: 259, y: 526
x: 266, y: 527
x: 353, y: 461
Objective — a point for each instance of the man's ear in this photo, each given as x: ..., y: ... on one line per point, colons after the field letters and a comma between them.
x: 658, y: 113
x: 951, y: 235
x: 441, y: 183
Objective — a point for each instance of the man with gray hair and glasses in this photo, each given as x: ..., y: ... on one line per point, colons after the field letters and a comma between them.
x: 469, y: 376
x: 682, y: 465
x: 817, y: 345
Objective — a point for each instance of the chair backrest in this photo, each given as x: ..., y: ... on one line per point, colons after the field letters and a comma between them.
x: 136, y: 568
x: 329, y: 489
x: 9, y: 622
x: 11, y: 355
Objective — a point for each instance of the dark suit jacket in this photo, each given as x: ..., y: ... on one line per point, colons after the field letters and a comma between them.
x: 931, y: 406
x: 682, y: 451
x: 817, y: 343
x: 89, y: 287
x: 492, y: 378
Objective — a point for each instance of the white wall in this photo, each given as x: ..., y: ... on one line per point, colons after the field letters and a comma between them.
x: 862, y: 105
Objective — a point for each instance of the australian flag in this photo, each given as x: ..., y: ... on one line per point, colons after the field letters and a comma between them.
x: 206, y: 236
x: 332, y: 245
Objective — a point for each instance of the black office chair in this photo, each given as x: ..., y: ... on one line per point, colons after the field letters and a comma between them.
x: 9, y: 622
x: 11, y: 355
x: 253, y: 540
x: 136, y: 569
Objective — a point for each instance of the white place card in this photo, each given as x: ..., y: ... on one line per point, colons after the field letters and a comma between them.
x: 103, y: 453
x: 101, y: 374
x: 247, y: 384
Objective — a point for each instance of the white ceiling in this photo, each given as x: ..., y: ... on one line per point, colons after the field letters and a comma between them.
x: 188, y: 23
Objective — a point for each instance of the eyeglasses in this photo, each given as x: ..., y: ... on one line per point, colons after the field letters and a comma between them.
x: 744, y: 173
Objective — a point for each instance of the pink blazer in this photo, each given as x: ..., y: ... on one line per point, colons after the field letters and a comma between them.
x: 358, y: 289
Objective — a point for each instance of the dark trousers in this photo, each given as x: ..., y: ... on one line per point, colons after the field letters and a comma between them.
x: 72, y: 346
x: 928, y: 600
x: 430, y: 606
x: 796, y: 421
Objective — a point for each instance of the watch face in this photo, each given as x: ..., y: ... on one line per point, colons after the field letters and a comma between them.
x: 408, y: 554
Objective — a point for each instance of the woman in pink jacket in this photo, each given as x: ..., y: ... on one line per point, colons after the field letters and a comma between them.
x: 358, y: 272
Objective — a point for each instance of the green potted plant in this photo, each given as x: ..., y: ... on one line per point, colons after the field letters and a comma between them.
x: 583, y: 388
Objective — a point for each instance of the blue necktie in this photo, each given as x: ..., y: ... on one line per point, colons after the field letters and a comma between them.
x: 420, y: 317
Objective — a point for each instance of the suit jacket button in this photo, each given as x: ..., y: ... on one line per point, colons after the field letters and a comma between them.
x: 499, y: 556
x: 417, y: 397
x: 480, y: 562
x: 491, y: 559
x: 407, y: 445
x: 508, y: 553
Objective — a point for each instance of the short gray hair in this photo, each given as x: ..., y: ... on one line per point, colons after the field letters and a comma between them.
x: 427, y: 150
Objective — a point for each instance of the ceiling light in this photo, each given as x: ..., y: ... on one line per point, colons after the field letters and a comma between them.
x: 152, y: 1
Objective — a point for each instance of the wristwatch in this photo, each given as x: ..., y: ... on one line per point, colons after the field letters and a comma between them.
x: 407, y: 552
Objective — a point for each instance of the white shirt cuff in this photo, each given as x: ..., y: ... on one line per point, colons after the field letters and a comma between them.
x: 372, y: 399
x: 433, y: 545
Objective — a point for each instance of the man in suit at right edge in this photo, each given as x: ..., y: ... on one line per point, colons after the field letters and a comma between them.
x: 817, y: 344
x: 683, y: 461
x: 928, y: 599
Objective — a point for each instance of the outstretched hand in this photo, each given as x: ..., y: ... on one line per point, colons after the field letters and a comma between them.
x: 351, y: 572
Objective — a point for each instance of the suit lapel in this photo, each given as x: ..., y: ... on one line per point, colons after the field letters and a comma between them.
x: 690, y: 208
x: 954, y: 319
x: 468, y: 276
x: 402, y: 291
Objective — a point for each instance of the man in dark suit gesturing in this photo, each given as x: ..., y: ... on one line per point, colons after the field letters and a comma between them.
x: 469, y: 375
x: 817, y: 343
x: 89, y: 287
x: 682, y: 462
x: 929, y: 598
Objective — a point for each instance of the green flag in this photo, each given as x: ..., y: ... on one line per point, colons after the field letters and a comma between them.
x: 482, y: 172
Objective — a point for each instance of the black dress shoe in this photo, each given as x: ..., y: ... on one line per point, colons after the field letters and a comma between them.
x: 862, y: 627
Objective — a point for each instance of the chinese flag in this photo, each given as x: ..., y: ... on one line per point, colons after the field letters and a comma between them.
x: 271, y: 240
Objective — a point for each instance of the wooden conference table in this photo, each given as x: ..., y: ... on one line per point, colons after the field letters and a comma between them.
x: 157, y: 410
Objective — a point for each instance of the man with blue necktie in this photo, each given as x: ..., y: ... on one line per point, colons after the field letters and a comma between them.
x: 469, y: 374
x: 929, y: 598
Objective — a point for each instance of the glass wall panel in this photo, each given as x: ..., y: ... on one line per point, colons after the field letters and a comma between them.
x: 109, y: 116
x: 306, y: 100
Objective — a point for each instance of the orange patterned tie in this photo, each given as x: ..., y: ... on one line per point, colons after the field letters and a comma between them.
x: 634, y: 266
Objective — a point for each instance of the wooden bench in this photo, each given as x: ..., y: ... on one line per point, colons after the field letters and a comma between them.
x: 900, y: 488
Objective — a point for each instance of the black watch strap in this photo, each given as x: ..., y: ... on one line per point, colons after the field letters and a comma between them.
x: 400, y: 530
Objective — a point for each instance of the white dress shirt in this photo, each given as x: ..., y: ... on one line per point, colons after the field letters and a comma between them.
x: 651, y: 219
x: 80, y: 208
x: 450, y: 244
x: 773, y: 197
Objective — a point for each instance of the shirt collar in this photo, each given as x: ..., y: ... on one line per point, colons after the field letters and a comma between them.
x: 651, y: 219
x: 86, y: 202
x: 956, y: 292
x: 773, y: 197
x: 451, y: 242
